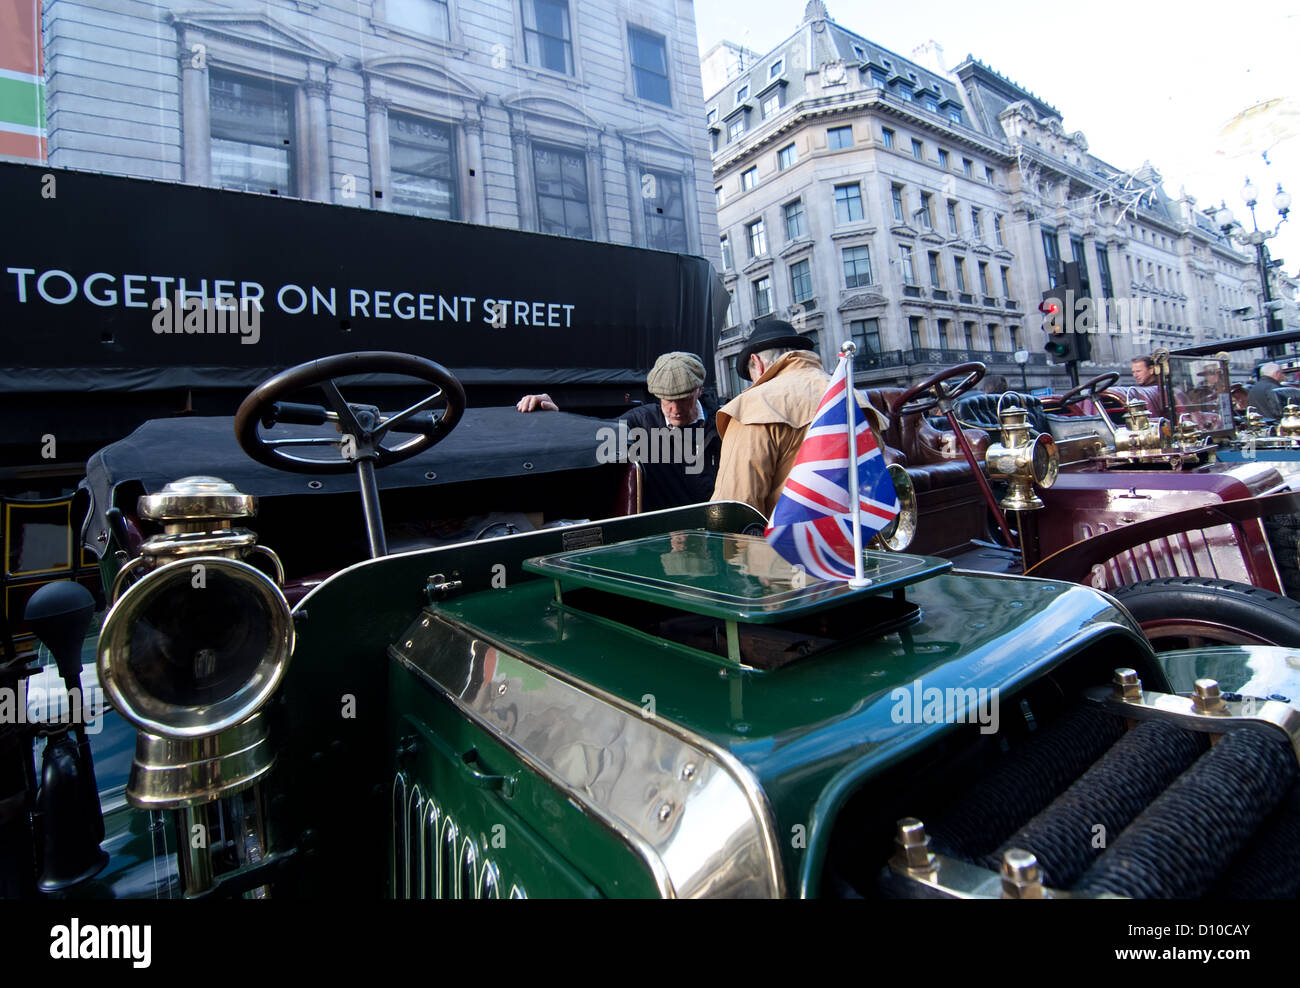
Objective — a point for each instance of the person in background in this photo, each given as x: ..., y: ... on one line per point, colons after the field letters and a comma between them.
x: 1144, y: 371
x: 677, y: 380
x: 996, y: 384
x: 1263, y: 393
x: 763, y: 427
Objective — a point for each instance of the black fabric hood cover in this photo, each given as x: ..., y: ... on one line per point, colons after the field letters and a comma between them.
x: 488, y: 442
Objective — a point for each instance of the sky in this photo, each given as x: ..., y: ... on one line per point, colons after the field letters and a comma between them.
x: 1144, y: 81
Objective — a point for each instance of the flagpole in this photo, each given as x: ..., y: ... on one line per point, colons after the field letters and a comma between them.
x: 847, y: 350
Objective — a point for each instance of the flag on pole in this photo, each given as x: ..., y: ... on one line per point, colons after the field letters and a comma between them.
x: 812, y: 525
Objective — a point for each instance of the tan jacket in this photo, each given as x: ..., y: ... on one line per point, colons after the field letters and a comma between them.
x: 763, y: 427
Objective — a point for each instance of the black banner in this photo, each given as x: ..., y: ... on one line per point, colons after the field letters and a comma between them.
x: 124, y: 285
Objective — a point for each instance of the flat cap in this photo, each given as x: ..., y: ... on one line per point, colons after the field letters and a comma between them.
x: 675, y: 375
x: 771, y: 334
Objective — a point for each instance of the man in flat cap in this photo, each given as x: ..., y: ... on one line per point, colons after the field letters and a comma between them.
x: 763, y: 427
x: 676, y: 441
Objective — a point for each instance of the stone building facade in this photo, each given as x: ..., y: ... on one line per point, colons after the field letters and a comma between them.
x: 545, y: 115
x: 922, y: 212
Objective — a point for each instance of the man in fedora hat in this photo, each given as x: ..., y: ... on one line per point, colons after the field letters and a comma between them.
x: 675, y: 440
x: 763, y: 427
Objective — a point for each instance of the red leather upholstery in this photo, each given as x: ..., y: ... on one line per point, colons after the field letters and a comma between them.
x: 933, y: 458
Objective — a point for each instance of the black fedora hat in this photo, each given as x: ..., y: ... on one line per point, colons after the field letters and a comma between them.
x: 770, y: 333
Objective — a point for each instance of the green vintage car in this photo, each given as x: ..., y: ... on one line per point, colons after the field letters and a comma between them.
x: 645, y: 705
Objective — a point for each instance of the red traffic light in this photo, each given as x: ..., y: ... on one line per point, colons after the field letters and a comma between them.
x: 1049, y: 306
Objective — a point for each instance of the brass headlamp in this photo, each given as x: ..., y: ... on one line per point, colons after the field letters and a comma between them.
x: 1255, y: 425
x: 1140, y: 434
x: 1289, y: 426
x: 193, y: 648
x: 1020, y: 461
x: 1189, y: 436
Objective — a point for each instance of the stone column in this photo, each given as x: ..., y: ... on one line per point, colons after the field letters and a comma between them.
x: 525, y: 191
x: 196, y: 119
x: 596, y: 190
x: 317, y: 150
x: 474, y: 182
x: 635, y: 204
x: 380, y: 159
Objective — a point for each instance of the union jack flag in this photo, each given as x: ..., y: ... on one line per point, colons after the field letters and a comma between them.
x: 812, y: 525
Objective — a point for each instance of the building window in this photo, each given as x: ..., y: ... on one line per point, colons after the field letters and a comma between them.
x: 794, y: 222
x: 878, y: 80
x: 1081, y: 258
x: 967, y: 167
x: 932, y: 104
x: 915, y: 331
x: 548, y: 35
x: 786, y: 157
x: 718, y: 197
x: 905, y: 262
x: 777, y: 68
x: 838, y: 138
x: 762, y: 296
x: 757, y: 238
x: 665, y: 211
x: 905, y: 93
x: 927, y: 214
x: 727, y: 260
x: 731, y: 309
x: 959, y: 268
x: 736, y: 128
x: 1052, y: 254
x: 252, y: 130
x: 934, y: 270
x: 650, y: 66
x: 427, y: 17
x: 984, y: 277
x: 848, y: 203
x: 865, y: 333
x: 1006, y: 282
x: 944, y: 158
x: 772, y: 105
x: 896, y: 199
x: 1103, y: 269
x: 749, y: 178
x: 976, y: 227
x: 860, y: 52
x: 953, y: 228
x: 990, y: 175
x: 742, y: 94
x: 887, y: 138
x: 801, y: 280
x: 563, y: 206
x: 712, y: 116
x: 857, y: 267
x: 997, y: 229
x: 423, y: 167
x: 968, y: 332
x: 954, y: 115
x: 918, y: 150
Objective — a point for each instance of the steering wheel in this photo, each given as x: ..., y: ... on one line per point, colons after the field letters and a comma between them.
x: 1089, y: 389
x: 940, y: 395
x: 362, y: 428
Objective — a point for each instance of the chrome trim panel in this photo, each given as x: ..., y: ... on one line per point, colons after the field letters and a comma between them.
x: 693, y: 814
x: 436, y: 863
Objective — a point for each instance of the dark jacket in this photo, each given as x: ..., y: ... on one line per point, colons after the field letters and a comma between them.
x: 669, y: 456
x: 1263, y: 396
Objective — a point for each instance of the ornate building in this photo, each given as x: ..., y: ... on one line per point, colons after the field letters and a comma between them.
x: 922, y: 211
x: 544, y: 115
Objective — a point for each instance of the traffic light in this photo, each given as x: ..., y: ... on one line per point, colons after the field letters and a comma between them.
x: 1058, y: 308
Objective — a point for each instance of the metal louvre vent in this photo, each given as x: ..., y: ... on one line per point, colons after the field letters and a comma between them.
x: 432, y: 859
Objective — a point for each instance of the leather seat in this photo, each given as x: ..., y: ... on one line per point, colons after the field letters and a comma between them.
x: 932, y: 458
x: 980, y: 411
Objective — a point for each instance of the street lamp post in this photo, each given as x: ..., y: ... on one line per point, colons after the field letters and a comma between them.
x: 1257, y: 238
x: 1022, y: 358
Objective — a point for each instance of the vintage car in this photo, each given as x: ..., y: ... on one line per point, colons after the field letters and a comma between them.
x: 1198, y: 542
x: 646, y: 705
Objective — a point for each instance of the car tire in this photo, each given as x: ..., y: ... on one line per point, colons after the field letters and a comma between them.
x: 1192, y: 611
x: 1283, y: 533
